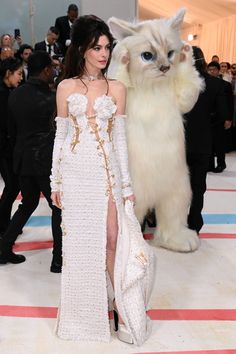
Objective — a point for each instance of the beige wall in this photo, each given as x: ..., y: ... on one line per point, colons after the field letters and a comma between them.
x: 217, y: 37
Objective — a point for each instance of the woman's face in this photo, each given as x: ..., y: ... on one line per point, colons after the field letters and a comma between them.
x: 6, y: 40
x: 223, y: 67
x: 98, y: 56
x: 14, y: 78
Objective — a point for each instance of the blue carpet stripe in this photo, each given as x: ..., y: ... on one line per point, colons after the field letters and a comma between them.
x: 39, y: 221
x: 208, y: 219
x: 219, y: 218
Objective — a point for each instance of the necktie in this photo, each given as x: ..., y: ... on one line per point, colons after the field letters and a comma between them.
x: 233, y: 82
x: 49, y: 49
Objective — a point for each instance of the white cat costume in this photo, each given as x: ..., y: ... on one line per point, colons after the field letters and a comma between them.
x: 162, y: 84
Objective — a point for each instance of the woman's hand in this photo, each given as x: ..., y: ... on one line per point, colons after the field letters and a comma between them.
x: 56, y: 199
x: 131, y: 198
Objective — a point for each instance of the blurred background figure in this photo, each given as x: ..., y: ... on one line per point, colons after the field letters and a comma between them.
x: 31, y: 109
x: 215, y: 58
x: 233, y: 83
x: 64, y: 24
x: 198, y: 129
x: 8, y: 40
x: 23, y: 53
x: 6, y: 52
x: 221, y: 139
x: 50, y: 44
x: 10, y: 77
x: 225, y: 72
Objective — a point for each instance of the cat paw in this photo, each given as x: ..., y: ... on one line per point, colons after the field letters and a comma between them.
x: 186, y: 53
x: 184, y: 240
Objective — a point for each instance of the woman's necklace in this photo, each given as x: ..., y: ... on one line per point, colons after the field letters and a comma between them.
x: 92, y: 77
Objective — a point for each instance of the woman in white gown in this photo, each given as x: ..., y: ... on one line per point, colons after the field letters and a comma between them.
x: 89, y: 180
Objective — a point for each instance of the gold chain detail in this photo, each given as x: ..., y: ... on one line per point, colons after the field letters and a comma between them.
x: 75, y: 139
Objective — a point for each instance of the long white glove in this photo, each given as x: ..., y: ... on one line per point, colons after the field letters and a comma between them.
x: 119, y: 138
x: 61, y: 133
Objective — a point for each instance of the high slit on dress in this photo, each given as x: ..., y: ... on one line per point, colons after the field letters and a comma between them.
x: 90, y: 175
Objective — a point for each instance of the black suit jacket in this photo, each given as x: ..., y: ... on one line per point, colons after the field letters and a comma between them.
x: 62, y: 24
x: 57, y: 48
x: 198, y: 122
x: 5, y: 147
x: 31, y: 107
x: 229, y: 98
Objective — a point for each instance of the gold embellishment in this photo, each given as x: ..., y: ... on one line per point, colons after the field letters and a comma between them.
x: 75, y: 139
x: 92, y: 116
x: 126, y: 185
x: 141, y: 258
x: 95, y: 128
x: 109, y: 128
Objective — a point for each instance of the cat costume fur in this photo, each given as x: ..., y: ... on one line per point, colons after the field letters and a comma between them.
x: 162, y: 84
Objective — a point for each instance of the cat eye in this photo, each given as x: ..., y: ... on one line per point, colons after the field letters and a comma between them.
x: 147, y: 56
x: 170, y: 53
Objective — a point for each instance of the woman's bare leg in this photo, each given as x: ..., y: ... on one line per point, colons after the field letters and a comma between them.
x: 112, y: 231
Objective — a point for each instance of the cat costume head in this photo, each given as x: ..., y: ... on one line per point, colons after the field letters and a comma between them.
x: 146, y: 51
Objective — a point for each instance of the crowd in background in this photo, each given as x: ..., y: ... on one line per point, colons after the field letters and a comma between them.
x: 14, y: 64
x: 28, y: 79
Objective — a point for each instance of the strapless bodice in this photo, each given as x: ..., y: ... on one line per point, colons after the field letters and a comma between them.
x: 103, y: 106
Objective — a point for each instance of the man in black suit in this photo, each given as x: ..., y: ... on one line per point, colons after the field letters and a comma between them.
x: 64, y: 24
x: 199, y: 136
x: 219, y: 126
x: 23, y: 53
x: 50, y: 43
x: 233, y: 83
x: 31, y: 108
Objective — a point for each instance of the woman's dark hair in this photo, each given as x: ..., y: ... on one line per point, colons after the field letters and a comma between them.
x: 86, y: 32
x: 12, y: 64
x: 200, y: 62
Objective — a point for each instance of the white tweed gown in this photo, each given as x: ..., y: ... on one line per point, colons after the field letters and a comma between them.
x: 89, y: 174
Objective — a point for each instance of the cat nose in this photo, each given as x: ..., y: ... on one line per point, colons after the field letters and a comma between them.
x: 164, y: 68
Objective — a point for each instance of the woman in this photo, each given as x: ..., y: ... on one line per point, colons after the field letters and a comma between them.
x: 11, y: 76
x: 90, y: 179
x: 6, y: 40
x: 225, y: 72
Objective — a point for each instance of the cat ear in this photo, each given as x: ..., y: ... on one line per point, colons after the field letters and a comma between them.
x: 120, y: 28
x: 176, y: 21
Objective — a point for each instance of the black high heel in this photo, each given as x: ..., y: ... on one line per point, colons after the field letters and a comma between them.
x: 122, y: 332
x: 151, y: 218
x: 116, y: 320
